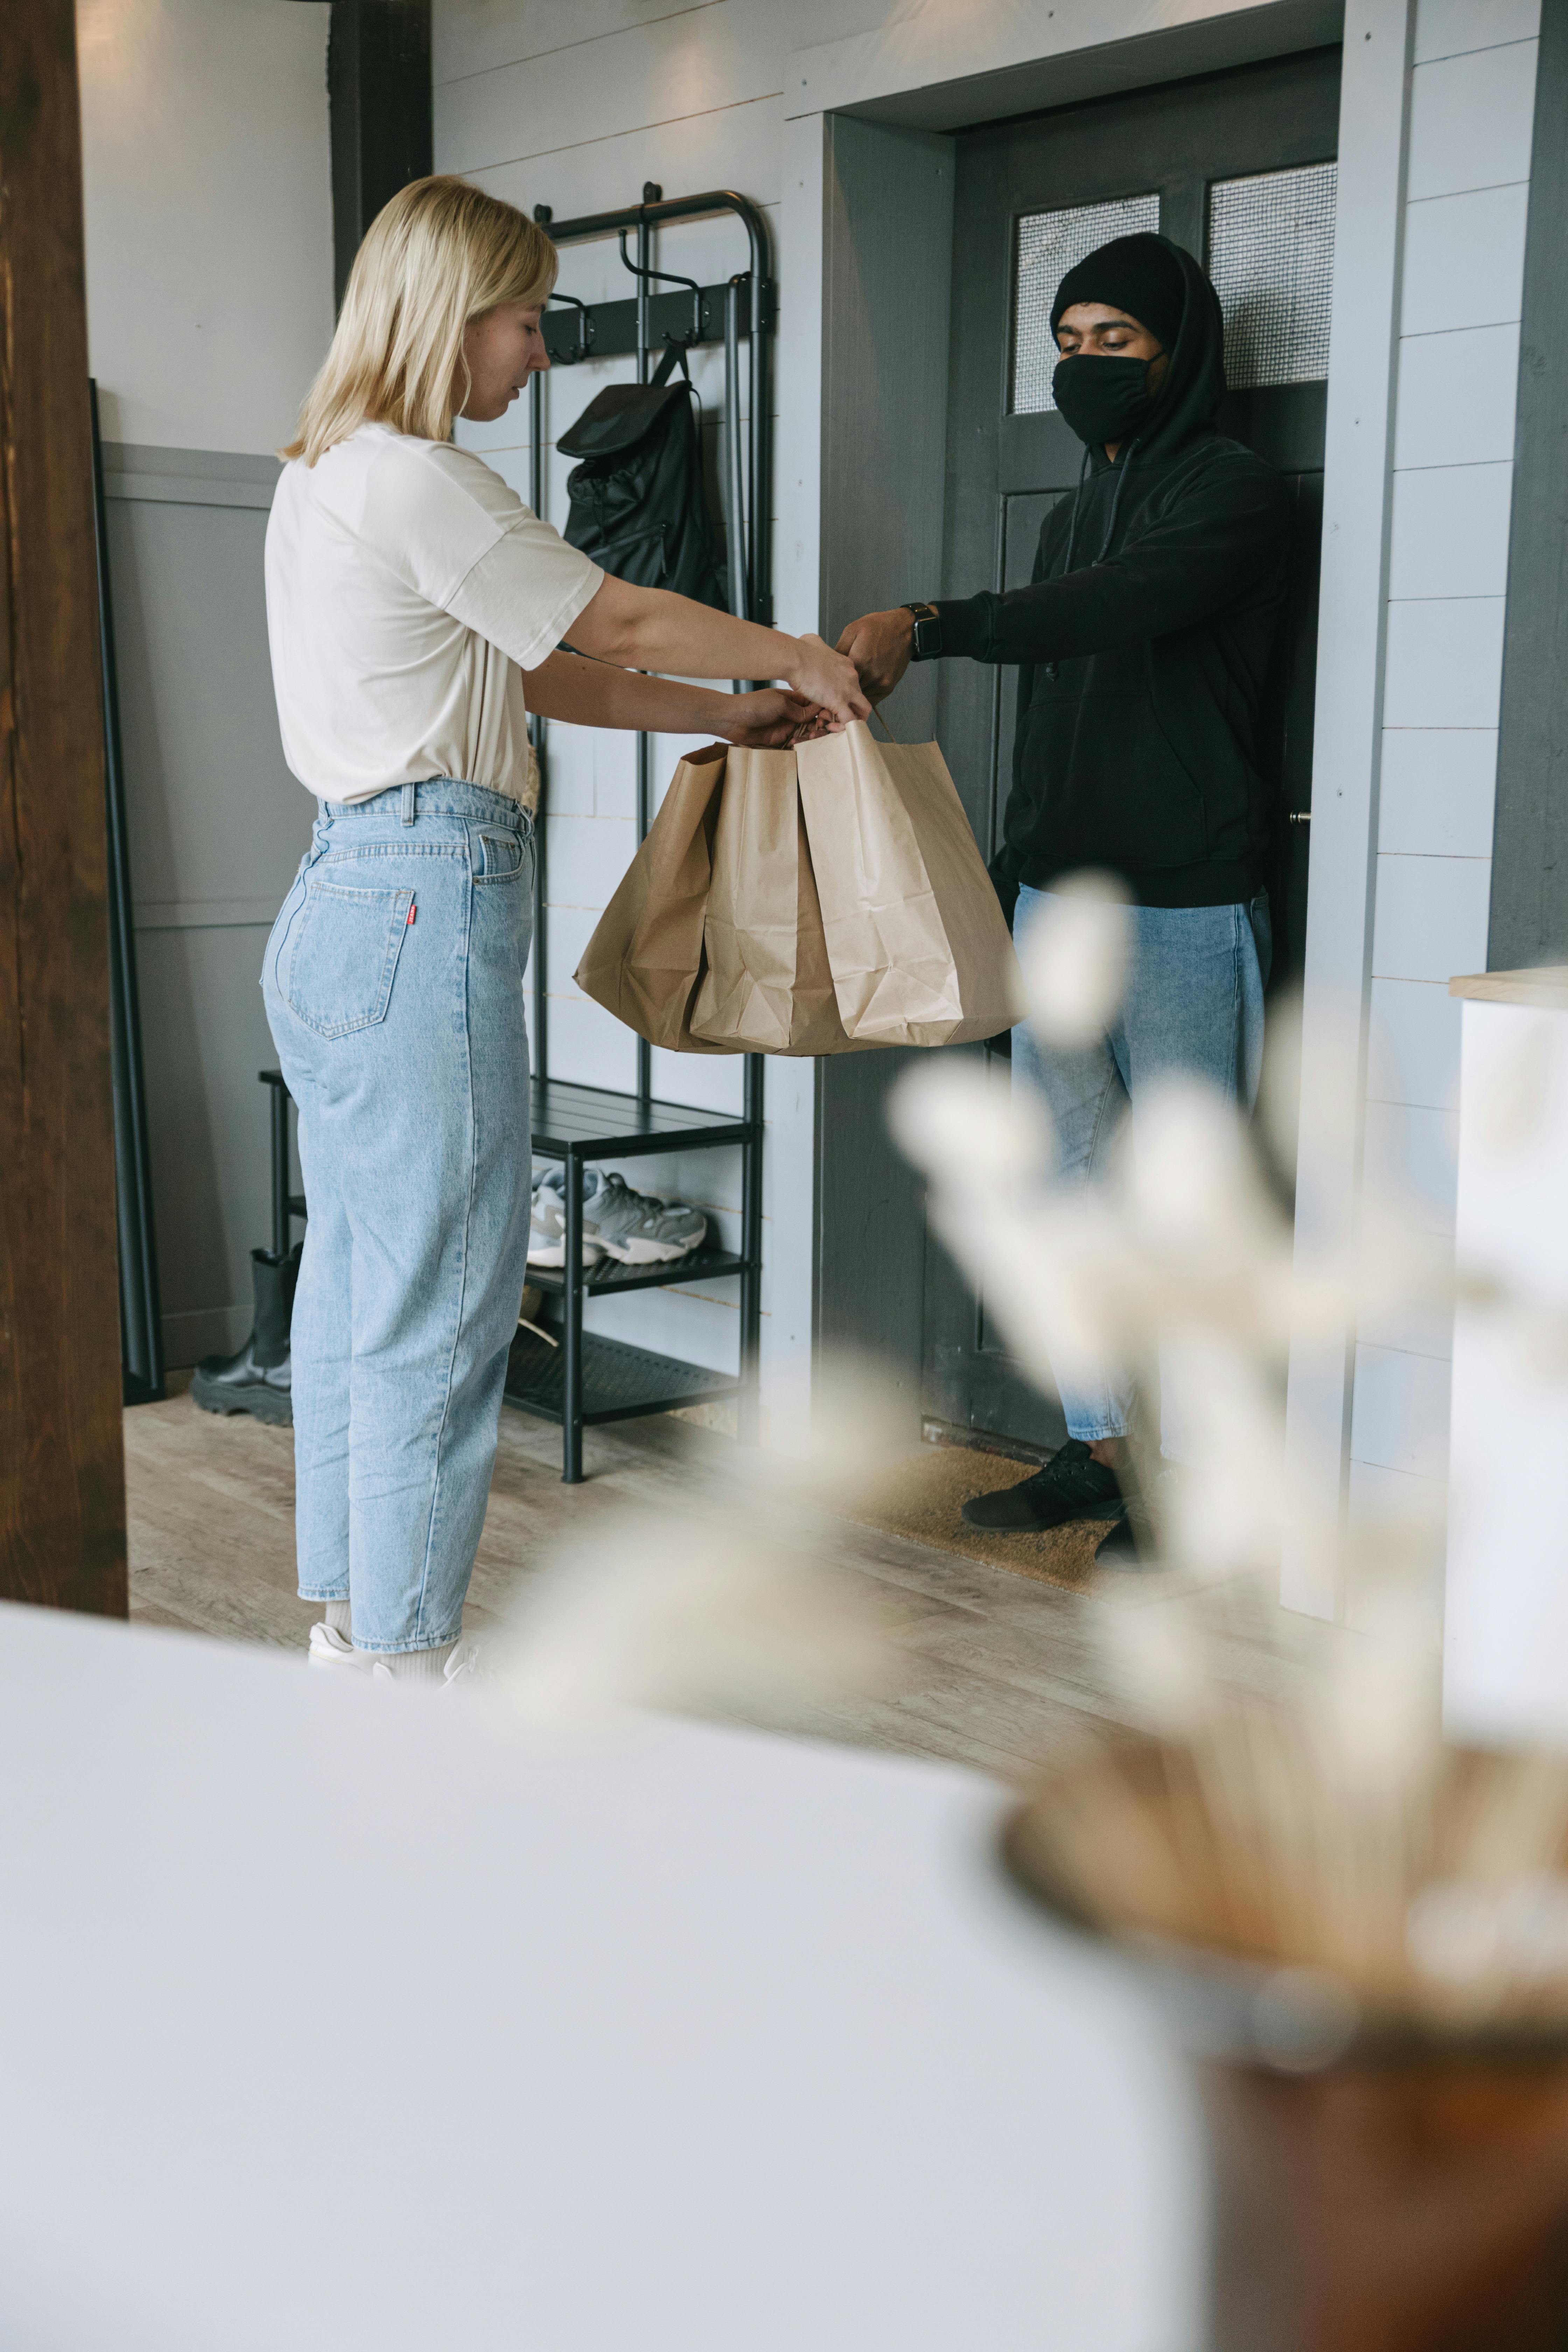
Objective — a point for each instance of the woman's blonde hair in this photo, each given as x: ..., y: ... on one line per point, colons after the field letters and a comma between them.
x: 440, y: 254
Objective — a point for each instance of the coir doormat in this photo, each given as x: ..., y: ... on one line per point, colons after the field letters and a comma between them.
x: 923, y: 1497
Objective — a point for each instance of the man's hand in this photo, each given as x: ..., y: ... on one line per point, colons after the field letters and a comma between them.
x: 772, y: 719
x: 879, y: 644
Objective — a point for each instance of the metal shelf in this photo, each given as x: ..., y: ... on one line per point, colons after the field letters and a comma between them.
x: 618, y: 1382
x: 575, y: 1124
x: 595, y: 1122
x: 610, y: 1276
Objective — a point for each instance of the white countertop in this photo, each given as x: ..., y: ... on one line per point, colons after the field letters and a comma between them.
x: 341, y: 2018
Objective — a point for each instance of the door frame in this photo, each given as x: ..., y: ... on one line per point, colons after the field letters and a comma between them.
x: 867, y: 214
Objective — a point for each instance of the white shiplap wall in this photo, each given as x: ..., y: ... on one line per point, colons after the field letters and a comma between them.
x: 575, y: 103
x: 1467, y: 191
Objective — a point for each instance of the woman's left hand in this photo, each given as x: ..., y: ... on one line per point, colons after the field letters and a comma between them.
x: 772, y: 719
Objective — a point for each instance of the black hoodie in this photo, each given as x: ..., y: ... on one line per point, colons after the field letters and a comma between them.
x: 1146, y: 642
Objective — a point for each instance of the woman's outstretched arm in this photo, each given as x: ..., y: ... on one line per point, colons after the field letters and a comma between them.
x: 649, y: 628
x: 599, y: 694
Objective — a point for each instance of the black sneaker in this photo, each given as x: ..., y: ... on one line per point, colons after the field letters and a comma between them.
x: 1071, y: 1485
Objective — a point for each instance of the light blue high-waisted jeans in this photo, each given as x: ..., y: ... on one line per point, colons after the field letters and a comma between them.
x: 1194, y: 1002
x: 394, y: 983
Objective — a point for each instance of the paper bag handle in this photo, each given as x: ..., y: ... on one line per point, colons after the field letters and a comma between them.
x: 882, y: 723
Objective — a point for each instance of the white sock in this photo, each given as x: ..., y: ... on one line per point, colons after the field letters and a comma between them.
x: 415, y: 1665
x: 339, y: 1618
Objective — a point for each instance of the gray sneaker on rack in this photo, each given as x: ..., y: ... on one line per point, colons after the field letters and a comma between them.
x: 635, y: 1227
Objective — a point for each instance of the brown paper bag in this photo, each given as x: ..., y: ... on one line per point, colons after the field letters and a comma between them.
x: 644, y: 963
x: 769, y: 989
x: 915, y: 934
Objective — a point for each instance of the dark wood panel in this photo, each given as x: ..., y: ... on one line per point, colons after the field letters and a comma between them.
x: 1530, y: 850
x: 62, y: 1495
x: 378, y: 85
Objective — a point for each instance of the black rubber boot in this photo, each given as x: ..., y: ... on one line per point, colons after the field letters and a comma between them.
x: 1071, y: 1485
x: 257, y: 1380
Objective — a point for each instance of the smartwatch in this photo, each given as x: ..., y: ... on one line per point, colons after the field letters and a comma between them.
x: 927, y: 643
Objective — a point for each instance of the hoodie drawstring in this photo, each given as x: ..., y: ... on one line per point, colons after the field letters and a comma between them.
x: 1052, y: 669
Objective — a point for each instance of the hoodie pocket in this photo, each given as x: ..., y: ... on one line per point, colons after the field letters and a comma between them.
x: 1107, y: 789
x: 346, y: 955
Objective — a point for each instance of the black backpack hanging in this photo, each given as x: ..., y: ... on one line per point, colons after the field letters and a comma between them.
x: 638, y: 504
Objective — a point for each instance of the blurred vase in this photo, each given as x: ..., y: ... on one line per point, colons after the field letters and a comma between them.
x: 1385, y: 2190
x: 1417, y: 2202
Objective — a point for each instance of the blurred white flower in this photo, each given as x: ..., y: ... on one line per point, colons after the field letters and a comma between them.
x: 1460, y: 1930
x: 1223, y: 1507
x: 1074, y: 960
x: 1194, y: 1192
x: 692, y: 1616
x: 1160, y: 1661
x: 862, y: 1423
x: 1451, y: 1932
x: 971, y: 1131
x: 1376, y: 1701
x: 1311, y: 1821
x: 1280, y: 1094
x: 1532, y: 1926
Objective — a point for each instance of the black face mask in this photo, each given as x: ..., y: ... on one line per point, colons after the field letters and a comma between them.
x: 1103, y: 399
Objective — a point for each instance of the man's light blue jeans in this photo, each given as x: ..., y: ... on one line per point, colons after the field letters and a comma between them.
x: 394, y: 983
x: 1195, y: 1003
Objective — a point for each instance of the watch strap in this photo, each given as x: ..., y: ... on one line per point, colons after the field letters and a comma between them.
x: 927, y: 636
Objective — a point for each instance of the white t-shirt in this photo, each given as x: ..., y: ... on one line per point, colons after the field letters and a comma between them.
x: 407, y: 587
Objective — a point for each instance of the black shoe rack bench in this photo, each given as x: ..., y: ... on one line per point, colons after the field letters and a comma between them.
x: 286, y: 1205
x: 587, y: 1379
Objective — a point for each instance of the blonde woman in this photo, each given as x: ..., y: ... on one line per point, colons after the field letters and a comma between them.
x: 415, y: 607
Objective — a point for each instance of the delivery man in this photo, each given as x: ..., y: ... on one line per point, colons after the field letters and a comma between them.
x: 1144, y: 645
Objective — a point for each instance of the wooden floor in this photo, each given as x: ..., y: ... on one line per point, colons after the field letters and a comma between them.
x: 996, y: 1671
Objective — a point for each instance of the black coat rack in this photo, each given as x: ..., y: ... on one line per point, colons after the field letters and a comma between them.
x: 588, y: 1379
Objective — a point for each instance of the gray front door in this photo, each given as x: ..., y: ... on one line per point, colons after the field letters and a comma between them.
x: 1239, y: 168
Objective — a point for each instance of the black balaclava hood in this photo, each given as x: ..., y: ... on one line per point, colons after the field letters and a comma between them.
x: 1159, y: 284
x: 1138, y: 274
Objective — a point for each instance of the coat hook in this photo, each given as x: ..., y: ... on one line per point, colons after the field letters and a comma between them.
x: 585, y: 343
x: 671, y: 278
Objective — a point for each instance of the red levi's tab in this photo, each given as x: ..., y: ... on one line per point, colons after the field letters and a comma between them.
x: 412, y: 912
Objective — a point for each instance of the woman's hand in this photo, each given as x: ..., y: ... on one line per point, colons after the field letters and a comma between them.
x: 824, y: 677
x: 772, y: 719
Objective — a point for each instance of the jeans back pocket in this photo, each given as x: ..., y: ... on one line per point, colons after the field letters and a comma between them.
x: 345, y: 956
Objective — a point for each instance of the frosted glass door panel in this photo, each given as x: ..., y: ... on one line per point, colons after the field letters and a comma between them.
x: 1050, y: 244
x: 1271, y: 257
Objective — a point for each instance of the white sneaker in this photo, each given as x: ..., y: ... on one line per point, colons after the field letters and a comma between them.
x: 328, y: 1648
x: 547, y: 1231
x: 462, y: 1666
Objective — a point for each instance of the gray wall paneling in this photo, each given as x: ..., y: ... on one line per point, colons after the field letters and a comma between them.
x: 1528, y: 921
x: 888, y: 262
x: 217, y: 827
